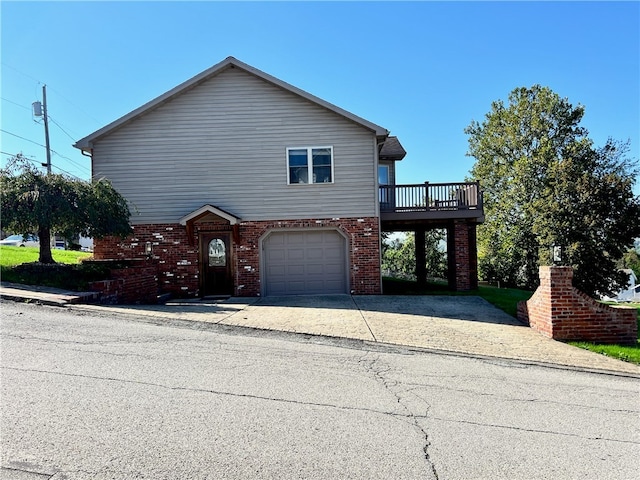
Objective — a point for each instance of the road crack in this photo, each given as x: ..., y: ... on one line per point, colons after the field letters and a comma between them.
x: 214, y: 392
x: 534, y: 430
x: 374, y: 366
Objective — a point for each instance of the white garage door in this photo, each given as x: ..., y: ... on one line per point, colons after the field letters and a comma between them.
x: 305, y: 262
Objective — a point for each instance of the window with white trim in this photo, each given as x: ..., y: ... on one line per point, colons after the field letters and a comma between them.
x: 310, y: 165
x: 383, y: 174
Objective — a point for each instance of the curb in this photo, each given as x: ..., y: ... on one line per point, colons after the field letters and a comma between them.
x: 167, y: 318
x: 34, y: 300
x: 75, y: 302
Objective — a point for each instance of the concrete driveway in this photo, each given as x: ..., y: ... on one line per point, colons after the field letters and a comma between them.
x: 459, y: 325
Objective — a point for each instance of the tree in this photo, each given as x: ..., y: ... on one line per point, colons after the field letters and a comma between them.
x: 631, y: 258
x: 546, y: 185
x: 399, y: 256
x: 35, y: 203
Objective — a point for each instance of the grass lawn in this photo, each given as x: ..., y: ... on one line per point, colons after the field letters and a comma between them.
x: 628, y: 353
x: 12, y: 256
x: 507, y: 300
x: 504, y: 298
x: 17, y: 265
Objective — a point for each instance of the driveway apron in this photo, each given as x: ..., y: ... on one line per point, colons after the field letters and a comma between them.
x: 460, y: 325
x: 464, y: 325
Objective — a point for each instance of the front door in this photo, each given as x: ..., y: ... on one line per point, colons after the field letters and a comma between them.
x: 215, y: 261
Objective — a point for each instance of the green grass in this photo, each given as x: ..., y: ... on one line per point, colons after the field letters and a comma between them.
x: 507, y: 300
x: 12, y: 256
x: 18, y: 265
x: 628, y: 353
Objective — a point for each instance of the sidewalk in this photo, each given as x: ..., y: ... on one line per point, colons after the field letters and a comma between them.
x: 458, y: 325
x: 43, y: 295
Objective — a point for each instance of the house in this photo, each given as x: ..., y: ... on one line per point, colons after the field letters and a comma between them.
x: 629, y: 294
x: 241, y: 184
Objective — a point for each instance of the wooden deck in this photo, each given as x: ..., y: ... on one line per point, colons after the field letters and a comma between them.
x: 431, y: 202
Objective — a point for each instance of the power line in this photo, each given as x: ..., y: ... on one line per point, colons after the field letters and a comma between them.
x: 21, y: 73
x: 22, y: 138
x: 98, y: 122
x: 68, y: 173
x: 17, y: 104
x: 30, y: 158
x: 82, y: 167
x: 37, y: 162
x: 56, y: 91
x: 39, y: 144
x: 60, y: 127
x: 50, y: 117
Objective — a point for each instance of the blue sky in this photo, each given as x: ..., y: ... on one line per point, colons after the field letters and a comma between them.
x: 423, y: 70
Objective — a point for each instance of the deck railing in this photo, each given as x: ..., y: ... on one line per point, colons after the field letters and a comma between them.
x: 427, y: 197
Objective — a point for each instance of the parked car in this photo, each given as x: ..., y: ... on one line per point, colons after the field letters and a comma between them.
x: 21, y: 241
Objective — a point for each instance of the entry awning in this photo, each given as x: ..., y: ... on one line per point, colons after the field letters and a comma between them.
x: 189, y: 219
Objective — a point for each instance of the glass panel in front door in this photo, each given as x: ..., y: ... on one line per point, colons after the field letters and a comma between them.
x: 217, y: 253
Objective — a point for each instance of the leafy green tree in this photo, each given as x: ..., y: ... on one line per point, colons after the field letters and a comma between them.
x: 35, y: 203
x: 545, y: 184
x: 631, y: 259
x: 399, y: 256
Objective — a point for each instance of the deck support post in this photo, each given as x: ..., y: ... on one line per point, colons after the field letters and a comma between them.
x: 451, y: 257
x: 421, y: 257
x: 462, y: 256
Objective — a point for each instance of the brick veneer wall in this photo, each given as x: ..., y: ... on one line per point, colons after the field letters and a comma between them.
x: 363, y: 239
x: 462, y: 255
x: 175, y: 256
x: 177, y: 259
x: 559, y: 311
x: 132, y: 281
x: 461, y: 232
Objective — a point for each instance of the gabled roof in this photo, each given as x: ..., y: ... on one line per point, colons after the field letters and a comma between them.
x: 392, y: 149
x: 208, y: 209
x: 230, y: 62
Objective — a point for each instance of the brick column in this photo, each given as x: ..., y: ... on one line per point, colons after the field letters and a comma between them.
x: 560, y: 311
x: 461, y: 256
x: 421, y: 255
x: 473, y: 256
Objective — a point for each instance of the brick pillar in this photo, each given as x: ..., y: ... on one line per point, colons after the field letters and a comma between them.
x: 451, y: 257
x: 462, y: 255
x: 561, y: 312
x: 421, y: 257
x: 473, y: 256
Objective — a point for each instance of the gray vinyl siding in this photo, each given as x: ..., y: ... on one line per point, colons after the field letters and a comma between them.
x: 224, y: 143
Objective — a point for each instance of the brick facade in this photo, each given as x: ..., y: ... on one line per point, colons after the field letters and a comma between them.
x: 177, y: 256
x: 462, y: 256
x: 131, y: 281
x: 559, y: 311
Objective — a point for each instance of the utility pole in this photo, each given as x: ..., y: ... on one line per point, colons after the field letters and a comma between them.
x: 46, y: 129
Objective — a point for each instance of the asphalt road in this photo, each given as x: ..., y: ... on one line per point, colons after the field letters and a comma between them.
x: 86, y: 396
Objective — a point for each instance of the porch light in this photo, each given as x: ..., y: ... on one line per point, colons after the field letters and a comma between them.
x: 148, y: 249
x: 556, y: 254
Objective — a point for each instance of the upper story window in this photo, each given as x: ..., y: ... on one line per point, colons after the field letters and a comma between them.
x: 310, y: 164
x: 383, y: 174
